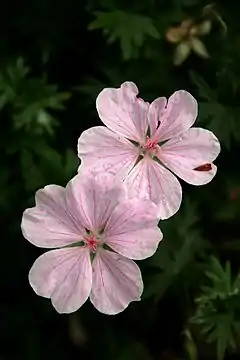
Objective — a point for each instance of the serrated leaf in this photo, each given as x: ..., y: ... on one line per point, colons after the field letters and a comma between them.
x: 228, y: 278
x: 236, y: 284
x: 190, y: 346
x: 218, y: 307
x: 212, y: 276
x: 224, y: 334
x: 130, y: 29
x: 216, y: 267
x: 30, y: 98
x: 206, y: 328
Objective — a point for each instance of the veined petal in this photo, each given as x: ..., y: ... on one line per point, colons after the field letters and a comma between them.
x: 194, y: 148
x: 94, y: 197
x: 180, y: 115
x: 116, y: 282
x: 65, y: 276
x: 103, y: 150
x: 132, y: 229
x: 51, y: 222
x: 149, y: 180
x: 121, y: 111
x: 155, y: 114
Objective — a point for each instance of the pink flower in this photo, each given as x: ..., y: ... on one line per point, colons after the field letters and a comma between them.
x: 142, y: 141
x: 97, y: 230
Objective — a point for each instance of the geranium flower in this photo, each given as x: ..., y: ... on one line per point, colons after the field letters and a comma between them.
x: 142, y: 141
x: 97, y: 231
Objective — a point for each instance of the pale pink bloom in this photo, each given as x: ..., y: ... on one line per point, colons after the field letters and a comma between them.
x: 90, y: 218
x: 142, y: 141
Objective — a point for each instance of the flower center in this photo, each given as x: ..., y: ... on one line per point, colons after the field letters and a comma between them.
x: 150, y: 145
x: 149, y: 148
x: 91, y: 242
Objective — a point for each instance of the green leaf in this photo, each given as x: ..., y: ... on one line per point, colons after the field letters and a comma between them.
x: 31, y: 106
x: 30, y: 99
x: 180, y: 245
x: 222, y: 120
x: 10, y: 78
x: 216, y: 267
x: 17, y: 71
x: 204, y: 90
x: 218, y: 307
x: 130, y: 29
x: 190, y: 346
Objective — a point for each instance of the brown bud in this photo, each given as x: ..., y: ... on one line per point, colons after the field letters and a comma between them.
x: 186, y: 24
x: 175, y: 34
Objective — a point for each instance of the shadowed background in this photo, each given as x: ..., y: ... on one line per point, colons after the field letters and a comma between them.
x: 55, y: 58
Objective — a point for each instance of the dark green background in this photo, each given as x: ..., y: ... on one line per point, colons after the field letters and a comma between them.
x: 54, y: 41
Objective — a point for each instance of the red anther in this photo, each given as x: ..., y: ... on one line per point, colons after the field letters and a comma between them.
x: 204, y: 167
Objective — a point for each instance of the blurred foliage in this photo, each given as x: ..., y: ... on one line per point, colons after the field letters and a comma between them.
x: 182, y: 242
x: 218, y: 307
x: 130, y: 29
x: 29, y: 98
x: 221, y: 118
x: 190, y: 306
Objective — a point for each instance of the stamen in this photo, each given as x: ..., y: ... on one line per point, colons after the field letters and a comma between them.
x: 150, y: 145
x: 91, y: 242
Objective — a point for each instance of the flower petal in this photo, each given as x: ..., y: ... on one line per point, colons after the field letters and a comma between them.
x: 95, y: 196
x: 199, y: 48
x: 51, y: 223
x: 65, y: 276
x: 132, y: 229
x: 102, y: 150
x: 116, y: 282
x: 182, y: 52
x: 155, y: 113
x: 180, y: 115
x: 121, y: 111
x: 150, y: 180
x: 194, y: 148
